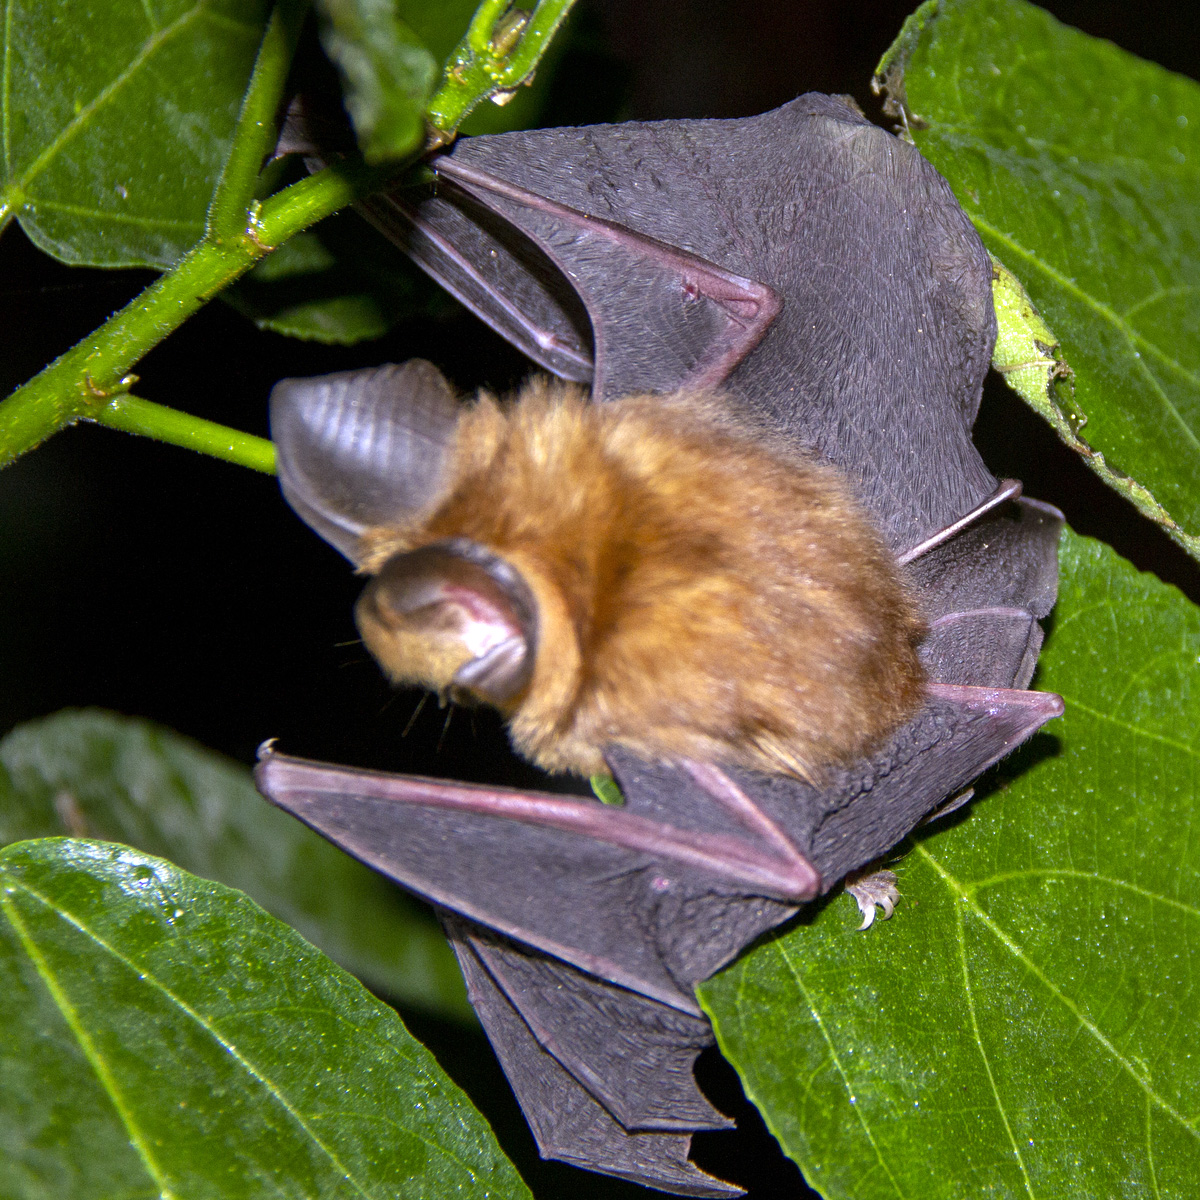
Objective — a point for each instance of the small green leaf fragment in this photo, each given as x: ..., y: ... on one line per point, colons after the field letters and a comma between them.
x: 889, y: 74
x: 387, y: 73
x: 342, y: 283
x: 1027, y: 352
x: 607, y: 790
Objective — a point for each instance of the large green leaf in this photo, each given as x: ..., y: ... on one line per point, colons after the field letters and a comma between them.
x: 1080, y: 166
x: 162, y: 1036
x: 387, y: 74
x: 117, y: 117
x: 1025, y: 1024
x: 96, y: 774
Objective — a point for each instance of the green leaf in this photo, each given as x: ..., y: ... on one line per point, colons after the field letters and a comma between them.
x: 163, y: 1036
x: 342, y: 282
x: 117, y: 118
x: 387, y: 74
x: 1025, y: 1023
x: 95, y: 774
x: 1080, y: 166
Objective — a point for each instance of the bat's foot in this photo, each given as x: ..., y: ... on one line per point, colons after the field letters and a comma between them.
x: 876, y: 888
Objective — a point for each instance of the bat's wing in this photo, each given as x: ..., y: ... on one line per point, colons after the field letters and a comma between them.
x: 610, y: 915
x: 603, y: 1074
x: 812, y: 263
x: 822, y: 272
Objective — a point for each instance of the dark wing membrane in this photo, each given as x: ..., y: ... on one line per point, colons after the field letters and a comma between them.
x: 572, y: 1120
x: 650, y: 900
x: 816, y: 264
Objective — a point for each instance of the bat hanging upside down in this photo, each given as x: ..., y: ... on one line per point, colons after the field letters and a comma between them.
x: 647, y: 573
x: 667, y: 580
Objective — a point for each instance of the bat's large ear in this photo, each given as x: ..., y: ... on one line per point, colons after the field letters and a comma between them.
x: 452, y: 614
x: 362, y: 448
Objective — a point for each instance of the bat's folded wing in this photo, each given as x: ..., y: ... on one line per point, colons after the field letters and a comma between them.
x: 603, y: 1074
x: 602, y: 887
x: 816, y: 267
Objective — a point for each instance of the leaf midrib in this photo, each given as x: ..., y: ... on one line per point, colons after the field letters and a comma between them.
x: 967, y: 900
x: 91, y: 1053
x: 101, y: 1069
x: 14, y: 190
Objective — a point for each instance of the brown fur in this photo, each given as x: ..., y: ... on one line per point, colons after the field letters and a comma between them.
x: 698, y: 594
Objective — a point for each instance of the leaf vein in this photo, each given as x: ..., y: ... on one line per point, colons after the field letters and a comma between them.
x: 229, y: 1047
x: 79, y: 121
x: 1085, y: 1025
x: 833, y: 1054
x: 82, y: 210
x: 978, y: 1035
x: 1089, y: 876
x: 1182, y: 289
x: 1150, y: 1151
x: 99, y: 1067
x: 1133, y: 729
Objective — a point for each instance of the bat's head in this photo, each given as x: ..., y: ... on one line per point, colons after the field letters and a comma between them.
x: 361, y: 451
x: 453, y: 617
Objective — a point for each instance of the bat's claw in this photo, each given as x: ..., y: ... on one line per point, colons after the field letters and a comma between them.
x: 868, y: 891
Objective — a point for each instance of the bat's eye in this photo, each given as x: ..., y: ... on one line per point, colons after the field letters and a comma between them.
x: 454, y: 616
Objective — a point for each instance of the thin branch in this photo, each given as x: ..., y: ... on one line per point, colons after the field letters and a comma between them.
x: 135, y: 415
x: 255, y: 133
x: 91, y: 381
x: 483, y: 63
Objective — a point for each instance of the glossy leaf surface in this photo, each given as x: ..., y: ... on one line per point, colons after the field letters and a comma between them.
x: 1025, y: 1024
x: 387, y: 74
x: 1080, y: 166
x: 163, y: 1036
x: 95, y: 774
x: 117, y: 118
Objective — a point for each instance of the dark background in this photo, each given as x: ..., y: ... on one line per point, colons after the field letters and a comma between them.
x: 145, y: 579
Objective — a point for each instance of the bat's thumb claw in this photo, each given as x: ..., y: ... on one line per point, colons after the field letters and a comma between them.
x: 265, y: 749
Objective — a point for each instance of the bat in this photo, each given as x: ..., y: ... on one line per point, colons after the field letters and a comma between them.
x: 794, y: 302
x: 648, y: 573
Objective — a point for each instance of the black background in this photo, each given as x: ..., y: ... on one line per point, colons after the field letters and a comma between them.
x: 152, y: 581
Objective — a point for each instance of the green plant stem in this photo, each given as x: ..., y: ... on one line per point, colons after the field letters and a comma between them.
x: 477, y: 69
x: 91, y: 381
x: 86, y: 378
x: 255, y: 134
x: 135, y: 415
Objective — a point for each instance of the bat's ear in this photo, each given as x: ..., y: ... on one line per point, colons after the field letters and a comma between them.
x: 362, y: 448
x: 452, y: 615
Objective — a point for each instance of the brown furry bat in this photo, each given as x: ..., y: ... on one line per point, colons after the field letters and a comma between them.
x: 646, y: 573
